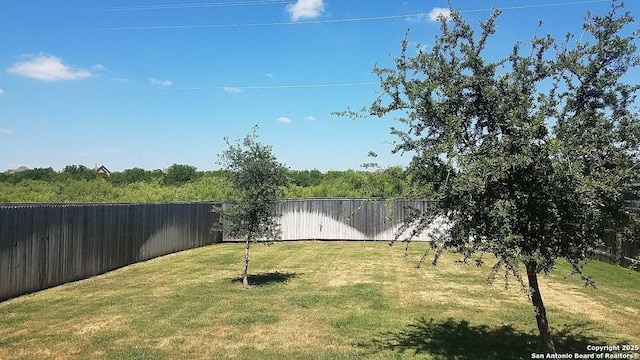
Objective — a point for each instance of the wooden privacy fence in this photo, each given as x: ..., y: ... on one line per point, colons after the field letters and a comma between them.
x: 348, y: 219
x: 44, y: 245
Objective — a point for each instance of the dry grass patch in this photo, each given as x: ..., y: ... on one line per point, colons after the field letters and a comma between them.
x: 315, y: 300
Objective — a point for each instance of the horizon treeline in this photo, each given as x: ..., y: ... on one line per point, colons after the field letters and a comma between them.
x: 79, y: 184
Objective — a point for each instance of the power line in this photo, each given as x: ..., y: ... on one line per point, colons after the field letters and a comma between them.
x: 325, y: 21
x: 268, y: 87
x: 183, y: 6
x: 205, y: 26
x: 237, y: 89
x: 276, y: 2
x: 535, y: 6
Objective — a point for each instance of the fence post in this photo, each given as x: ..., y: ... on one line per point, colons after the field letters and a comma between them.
x: 619, y: 249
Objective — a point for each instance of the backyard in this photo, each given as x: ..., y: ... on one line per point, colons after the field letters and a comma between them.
x: 315, y: 300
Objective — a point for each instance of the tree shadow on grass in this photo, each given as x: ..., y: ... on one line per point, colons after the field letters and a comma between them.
x: 270, y: 278
x: 453, y: 339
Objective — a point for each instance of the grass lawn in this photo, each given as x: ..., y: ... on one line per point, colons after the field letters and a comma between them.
x: 314, y: 300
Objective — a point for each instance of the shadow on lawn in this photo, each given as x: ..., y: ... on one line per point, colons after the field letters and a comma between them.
x: 270, y: 278
x: 453, y: 339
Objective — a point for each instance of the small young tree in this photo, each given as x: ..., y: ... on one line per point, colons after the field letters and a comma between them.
x: 258, y: 182
x: 527, y: 157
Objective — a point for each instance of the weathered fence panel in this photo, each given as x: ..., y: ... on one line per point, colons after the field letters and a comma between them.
x: 44, y: 245
x: 47, y: 245
x: 347, y: 219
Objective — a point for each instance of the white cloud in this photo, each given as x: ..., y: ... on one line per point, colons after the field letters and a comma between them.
x: 47, y: 68
x: 310, y: 118
x: 6, y: 131
x: 305, y: 9
x: 161, y: 82
x: 269, y: 75
x: 232, y: 90
x: 437, y: 12
x: 98, y: 67
x: 284, y: 120
x: 1, y: 91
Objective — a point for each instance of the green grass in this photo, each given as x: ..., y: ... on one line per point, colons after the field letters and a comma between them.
x: 313, y: 300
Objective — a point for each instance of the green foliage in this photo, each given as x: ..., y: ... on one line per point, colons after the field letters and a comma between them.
x: 148, y: 191
x: 384, y: 183
x: 80, y: 172
x: 40, y: 174
x: 257, y: 181
x: 305, y: 178
x: 133, y: 175
x: 98, y: 190
x: 208, y: 186
x: 27, y: 191
x: 528, y: 156
x: 180, y: 174
x: 387, y: 183
x: 533, y: 174
x: 138, y: 185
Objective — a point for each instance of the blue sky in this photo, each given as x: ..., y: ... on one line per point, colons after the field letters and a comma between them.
x: 152, y: 83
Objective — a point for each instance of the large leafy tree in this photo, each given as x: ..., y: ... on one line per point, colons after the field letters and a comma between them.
x: 526, y: 157
x: 130, y: 176
x: 258, y: 182
x: 179, y: 174
x: 80, y: 172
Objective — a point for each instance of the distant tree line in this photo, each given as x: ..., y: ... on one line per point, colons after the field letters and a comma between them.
x: 78, y: 183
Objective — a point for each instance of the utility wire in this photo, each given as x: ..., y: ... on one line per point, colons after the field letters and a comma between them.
x: 329, y: 21
x: 267, y: 87
x: 535, y: 6
x: 325, y: 21
x: 237, y: 89
x: 276, y: 2
x: 183, y: 6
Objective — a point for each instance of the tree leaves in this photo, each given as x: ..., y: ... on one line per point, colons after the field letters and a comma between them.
x: 258, y: 182
x: 528, y: 155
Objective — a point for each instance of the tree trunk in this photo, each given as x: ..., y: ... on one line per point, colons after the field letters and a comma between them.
x: 538, y: 307
x: 245, y: 269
